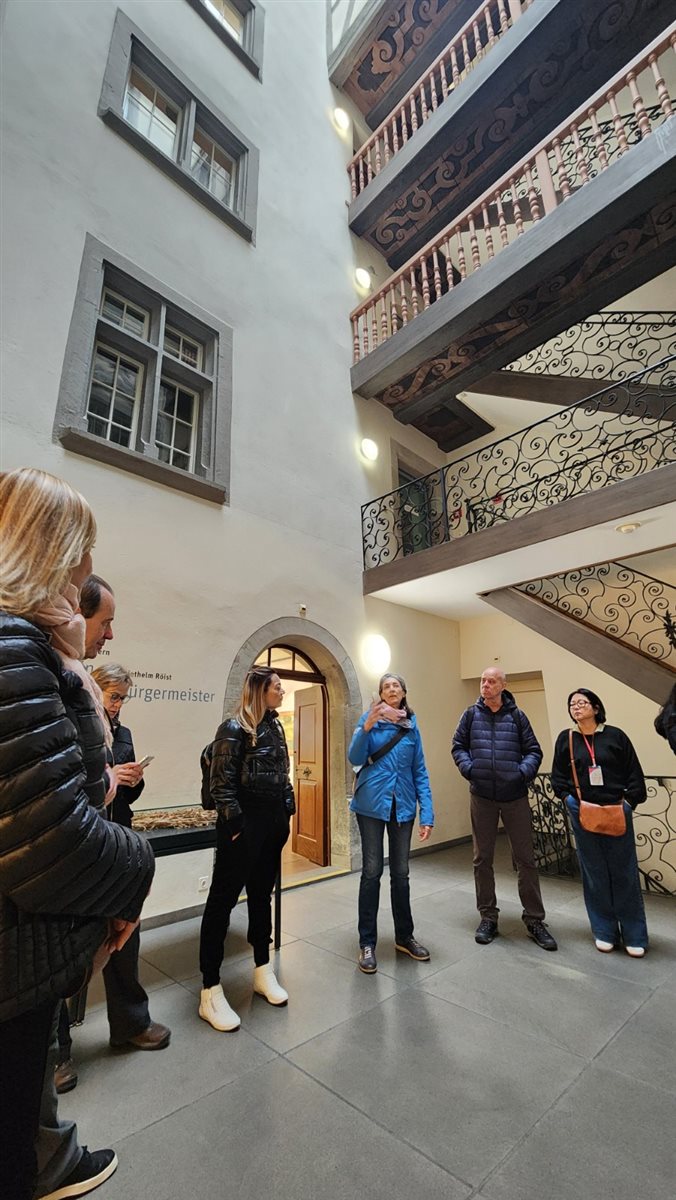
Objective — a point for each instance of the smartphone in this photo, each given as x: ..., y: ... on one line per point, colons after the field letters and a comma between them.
x: 144, y: 761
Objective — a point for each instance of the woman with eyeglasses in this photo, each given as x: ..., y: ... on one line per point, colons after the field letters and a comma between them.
x: 253, y: 795
x: 115, y: 683
x: 597, y: 763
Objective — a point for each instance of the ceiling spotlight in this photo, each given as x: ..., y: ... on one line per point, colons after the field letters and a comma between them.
x: 630, y: 527
x: 363, y: 277
x: 341, y: 119
x: 369, y: 449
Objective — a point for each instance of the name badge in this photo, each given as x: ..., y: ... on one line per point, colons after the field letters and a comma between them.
x: 596, y: 776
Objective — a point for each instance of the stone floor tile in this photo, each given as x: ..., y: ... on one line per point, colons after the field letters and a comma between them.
x: 608, y: 1138
x: 645, y: 1047
x: 461, y: 1088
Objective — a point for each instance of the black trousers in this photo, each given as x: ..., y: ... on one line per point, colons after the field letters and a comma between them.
x: 24, y: 1042
x: 127, y: 1000
x: 250, y: 862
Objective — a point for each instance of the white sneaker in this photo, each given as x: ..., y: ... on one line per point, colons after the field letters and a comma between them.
x: 604, y: 947
x: 635, y: 951
x: 215, y: 1009
x: 265, y: 983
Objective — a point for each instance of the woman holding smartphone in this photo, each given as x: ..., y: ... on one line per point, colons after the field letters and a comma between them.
x: 391, y: 785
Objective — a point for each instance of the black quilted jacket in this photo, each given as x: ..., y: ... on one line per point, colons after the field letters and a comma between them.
x: 244, y: 775
x: 64, y: 868
x: 497, y: 752
x: 123, y: 752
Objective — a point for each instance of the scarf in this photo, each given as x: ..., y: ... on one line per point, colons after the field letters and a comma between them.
x: 66, y: 628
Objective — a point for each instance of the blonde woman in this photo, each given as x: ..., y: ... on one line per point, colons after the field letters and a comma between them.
x: 252, y: 792
x: 70, y: 881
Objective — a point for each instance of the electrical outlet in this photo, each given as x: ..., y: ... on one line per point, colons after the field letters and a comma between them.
x: 203, y: 883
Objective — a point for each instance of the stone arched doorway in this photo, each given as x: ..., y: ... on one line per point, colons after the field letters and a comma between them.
x: 344, y: 709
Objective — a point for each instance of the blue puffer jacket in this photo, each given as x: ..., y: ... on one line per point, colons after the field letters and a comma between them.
x: 401, y: 773
x: 497, y: 752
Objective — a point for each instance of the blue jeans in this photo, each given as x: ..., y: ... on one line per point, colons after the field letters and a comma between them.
x: 372, y: 831
x: 610, y: 882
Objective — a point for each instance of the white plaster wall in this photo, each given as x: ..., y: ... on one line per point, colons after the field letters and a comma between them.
x: 499, y: 639
x: 194, y: 580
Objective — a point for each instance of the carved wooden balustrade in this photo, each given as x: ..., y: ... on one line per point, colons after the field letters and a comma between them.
x: 481, y: 32
x: 592, y: 139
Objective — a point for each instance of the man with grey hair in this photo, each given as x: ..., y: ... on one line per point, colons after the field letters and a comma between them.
x: 494, y: 747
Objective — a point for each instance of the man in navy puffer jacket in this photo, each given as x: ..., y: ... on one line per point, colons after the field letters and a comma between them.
x: 494, y: 747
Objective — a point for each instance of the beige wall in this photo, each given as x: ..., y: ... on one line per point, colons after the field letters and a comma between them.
x: 497, y: 639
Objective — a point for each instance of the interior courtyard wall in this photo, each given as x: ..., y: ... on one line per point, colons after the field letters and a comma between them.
x: 497, y: 639
x: 193, y: 580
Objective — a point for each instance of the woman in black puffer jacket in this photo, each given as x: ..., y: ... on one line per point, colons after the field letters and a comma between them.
x: 70, y: 881
x: 252, y: 793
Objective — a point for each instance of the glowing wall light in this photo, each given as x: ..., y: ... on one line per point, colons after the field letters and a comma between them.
x: 375, y: 653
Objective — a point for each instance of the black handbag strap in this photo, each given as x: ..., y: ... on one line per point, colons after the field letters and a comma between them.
x: 572, y: 764
x: 387, y: 747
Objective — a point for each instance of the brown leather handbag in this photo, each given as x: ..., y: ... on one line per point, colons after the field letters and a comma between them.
x: 597, y: 818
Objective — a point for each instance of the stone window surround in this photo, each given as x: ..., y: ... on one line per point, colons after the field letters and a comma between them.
x: 129, y: 43
x: 250, y: 51
x: 70, y: 423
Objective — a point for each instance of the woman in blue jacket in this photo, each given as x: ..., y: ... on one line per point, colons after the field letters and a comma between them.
x: 391, y: 783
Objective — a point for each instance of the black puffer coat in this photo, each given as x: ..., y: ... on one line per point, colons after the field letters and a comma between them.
x: 64, y: 868
x: 497, y: 752
x: 244, y: 775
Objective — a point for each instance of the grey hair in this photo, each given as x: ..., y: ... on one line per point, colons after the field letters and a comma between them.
x: 110, y: 674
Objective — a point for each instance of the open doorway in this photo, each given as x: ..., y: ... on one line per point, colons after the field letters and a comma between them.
x: 303, y: 714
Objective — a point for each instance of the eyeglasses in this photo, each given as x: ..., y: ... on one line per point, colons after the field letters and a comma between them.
x: 580, y: 704
x: 116, y: 698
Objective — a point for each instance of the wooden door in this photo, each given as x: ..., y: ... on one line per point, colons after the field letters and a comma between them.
x: 310, y: 825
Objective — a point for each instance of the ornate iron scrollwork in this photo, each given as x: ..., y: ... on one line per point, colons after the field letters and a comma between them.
x: 625, y: 430
x: 629, y: 606
x: 609, y: 345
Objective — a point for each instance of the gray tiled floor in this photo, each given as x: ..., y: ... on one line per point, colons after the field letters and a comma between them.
x: 497, y: 1072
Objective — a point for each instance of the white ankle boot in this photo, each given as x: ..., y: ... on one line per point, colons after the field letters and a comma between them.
x: 215, y: 1009
x: 265, y: 983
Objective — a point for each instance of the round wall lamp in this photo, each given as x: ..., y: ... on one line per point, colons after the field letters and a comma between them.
x: 362, y: 277
x: 630, y: 527
x: 369, y: 449
x: 341, y: 120
x: 375, y: 653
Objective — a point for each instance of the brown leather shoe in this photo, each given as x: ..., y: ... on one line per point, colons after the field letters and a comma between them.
x: 155, y: 1037
x: 65, y: 1076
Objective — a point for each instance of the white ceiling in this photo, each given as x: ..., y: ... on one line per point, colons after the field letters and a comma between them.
x: 455, y: 593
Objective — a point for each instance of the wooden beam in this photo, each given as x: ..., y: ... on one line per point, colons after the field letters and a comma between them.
x: 611, y: 503
x: 645, y: 675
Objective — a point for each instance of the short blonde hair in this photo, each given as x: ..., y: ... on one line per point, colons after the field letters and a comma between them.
x: 46, y: 528
x: 111, y: 675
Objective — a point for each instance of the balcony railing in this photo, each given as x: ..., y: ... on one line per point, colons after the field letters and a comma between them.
x: 482, y: 31
x: 623, y: 431
x: 633, y: 608
x: 654, y: 833
x: 592, y: 140
x: 608, y: 345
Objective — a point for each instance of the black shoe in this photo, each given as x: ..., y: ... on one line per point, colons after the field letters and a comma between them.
x: 91, y: 1170
x: 367, y: 959
x: 486, y: 931
x: 65, y: 1076
x: 414, y: 949
x: 540, y: 934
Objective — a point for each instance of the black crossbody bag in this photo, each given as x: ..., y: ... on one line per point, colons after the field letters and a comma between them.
x: 379, y: 754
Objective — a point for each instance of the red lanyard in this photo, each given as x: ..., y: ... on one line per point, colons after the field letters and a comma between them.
x: 590, y: 747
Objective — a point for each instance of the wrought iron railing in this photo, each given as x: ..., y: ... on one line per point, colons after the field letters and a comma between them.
x: 533, y: 188
x: 623, y: 431
x: 629, y: 606
x: 654, y: 833
x: 609, y: 345
x: 483, y: 30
